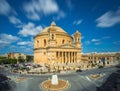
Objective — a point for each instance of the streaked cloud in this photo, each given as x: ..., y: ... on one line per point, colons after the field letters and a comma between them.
x: 30, y: 29
x: 77, y: 22
x: 6, y: 39
x: 5, y: 8
x: 9, y: 12
x: 109, y: 19
x: 22, y: 43
x: 36, y: 8
x: 95, y: 40
x: 14, y: 20
x: 26, y: 49
x: 22, y: 49
x: 60, y: 15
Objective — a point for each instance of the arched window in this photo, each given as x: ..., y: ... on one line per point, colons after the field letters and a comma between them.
x: 52, y: 36
x: 78, y: 39
x: 63, y: 41
x: 37, y: 42
x: 69, y: 42
x: 44, y: 42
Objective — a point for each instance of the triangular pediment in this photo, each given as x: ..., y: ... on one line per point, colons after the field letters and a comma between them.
x: 67, y: 46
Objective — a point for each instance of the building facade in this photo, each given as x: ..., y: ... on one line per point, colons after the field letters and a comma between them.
x: 96, y: 60
x: 55, y: 47
x: 16, y: 55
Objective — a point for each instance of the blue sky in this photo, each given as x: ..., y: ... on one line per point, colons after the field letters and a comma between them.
x: 97, y: 20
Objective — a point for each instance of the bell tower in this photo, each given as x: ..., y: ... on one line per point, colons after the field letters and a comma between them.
x: 77, y: 38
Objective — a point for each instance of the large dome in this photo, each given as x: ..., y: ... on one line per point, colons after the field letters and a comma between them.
x: 53, y: 27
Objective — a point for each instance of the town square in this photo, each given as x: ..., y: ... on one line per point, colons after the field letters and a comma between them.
x: 59, y: 45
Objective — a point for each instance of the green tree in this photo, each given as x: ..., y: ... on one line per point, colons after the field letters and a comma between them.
x: 13, y: 61
x: 4, y: 60
x: 29, y: 58
x: 21, y: 59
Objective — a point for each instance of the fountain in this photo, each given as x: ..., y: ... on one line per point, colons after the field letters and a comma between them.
x: 54, y: 84
x: 54, y: 80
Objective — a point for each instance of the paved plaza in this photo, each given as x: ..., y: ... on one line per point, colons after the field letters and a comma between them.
x: 80, y: 81
x: 88, y: 80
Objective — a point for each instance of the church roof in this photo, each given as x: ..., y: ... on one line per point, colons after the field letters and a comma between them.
x: 53, y: 26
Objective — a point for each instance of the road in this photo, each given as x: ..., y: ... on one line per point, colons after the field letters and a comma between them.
x: 78, y: 81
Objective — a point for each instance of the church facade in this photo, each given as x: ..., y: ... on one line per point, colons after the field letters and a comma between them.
x: 55, y: 47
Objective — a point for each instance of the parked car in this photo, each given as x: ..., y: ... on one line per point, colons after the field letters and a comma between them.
x: 100, y: 67
x: 79, y: 70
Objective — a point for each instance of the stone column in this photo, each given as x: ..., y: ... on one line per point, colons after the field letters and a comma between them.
x: 65, y: 57
x: 72, y: 56
x: 62, y: 58
x: 68, y: 57
x: 76, y: 58
x: 58, y: 57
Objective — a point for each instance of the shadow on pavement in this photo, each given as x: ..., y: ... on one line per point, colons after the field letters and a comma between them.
x: 112, y: 83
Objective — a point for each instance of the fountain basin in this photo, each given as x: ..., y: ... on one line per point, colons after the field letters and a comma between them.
x: 48, y: 86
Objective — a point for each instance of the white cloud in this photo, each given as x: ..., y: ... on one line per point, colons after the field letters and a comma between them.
x: 14, y: 20
x: 60, y: 15
x: 22, y: 47
x: 5, y: 8
x: 77, y: 22
x: 109, y: 19
x: 30, y: 29
x: 22, y: 43
x: 36, y: 8
x: 95, y: 40
x: 6, y: 39
x: 25, y: 49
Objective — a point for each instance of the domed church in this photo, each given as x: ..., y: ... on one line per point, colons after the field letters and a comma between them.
x: 53, y: 46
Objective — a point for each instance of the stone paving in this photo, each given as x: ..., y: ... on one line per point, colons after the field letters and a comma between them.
x: 80, y: 81
x: 17, y: 79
